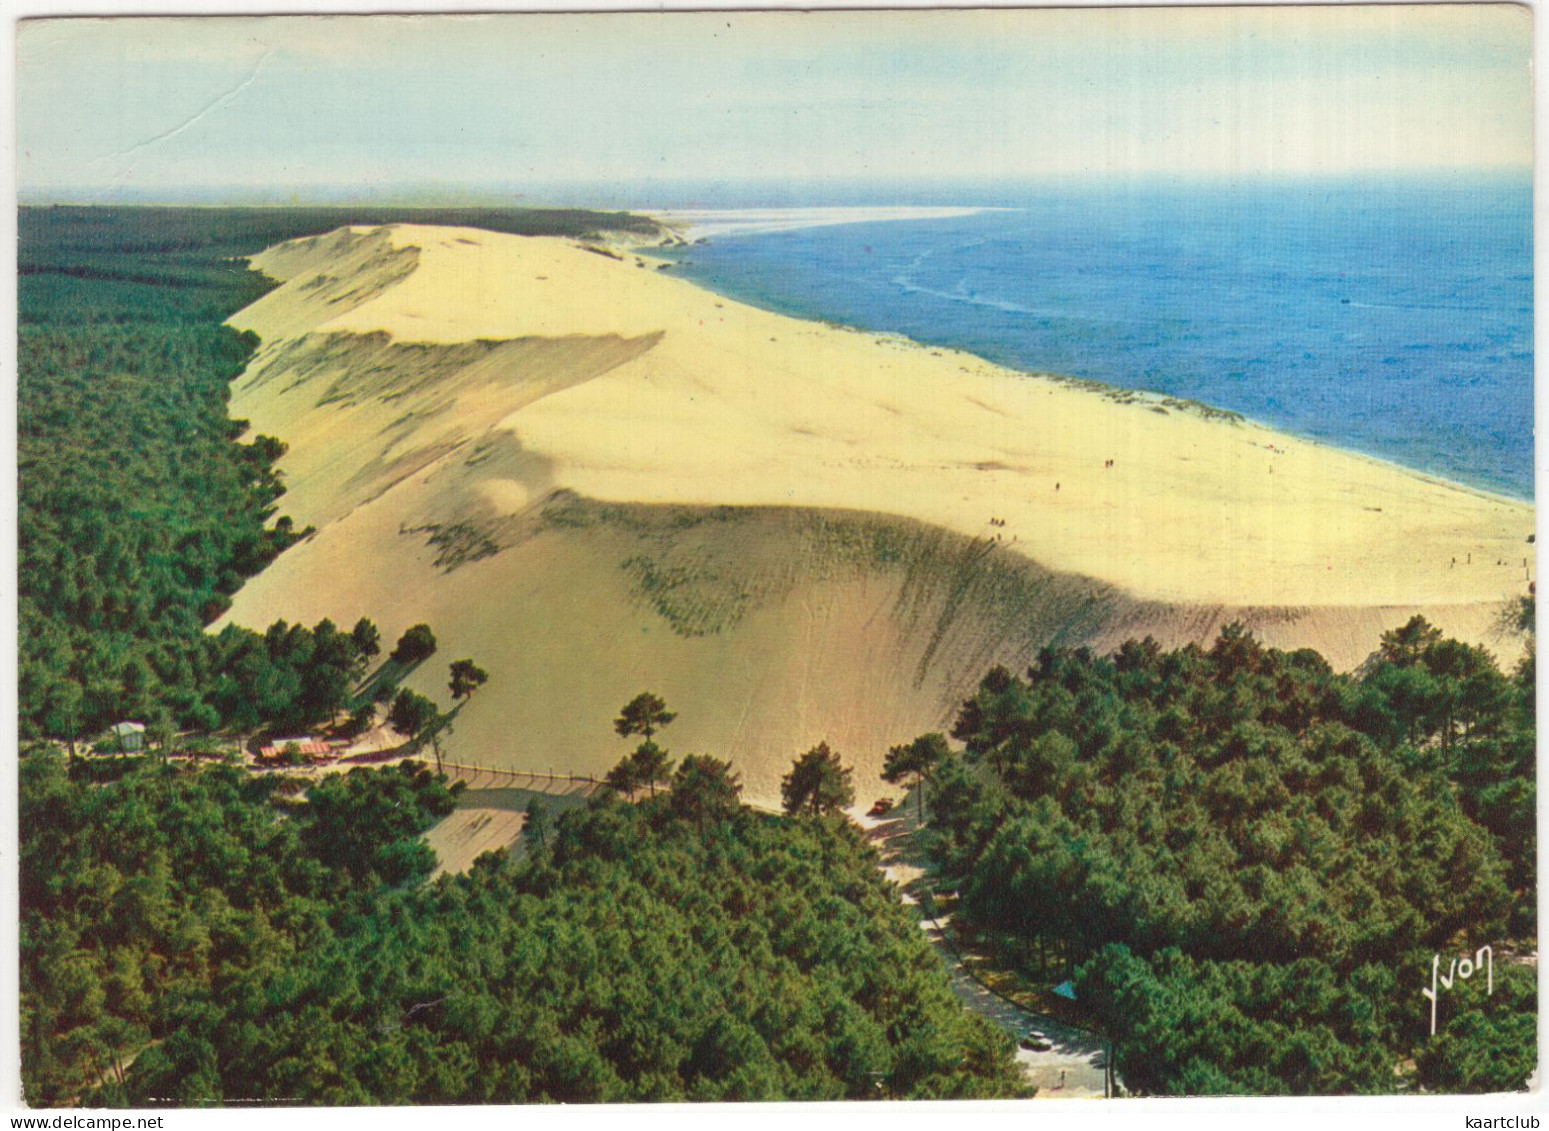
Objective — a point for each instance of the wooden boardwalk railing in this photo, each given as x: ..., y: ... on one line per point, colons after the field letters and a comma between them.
x: 550, y: 775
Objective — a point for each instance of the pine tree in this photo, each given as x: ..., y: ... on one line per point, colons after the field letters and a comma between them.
x: 704, y: 789
x: 411, y: 713
x: 818, y: 783
x: 651, y: 765
x: 466, y: 678
x: 917, y: 759
x: 645, y: 714
x: 624, y: 777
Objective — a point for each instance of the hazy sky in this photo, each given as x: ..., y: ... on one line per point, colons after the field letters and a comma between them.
x: 172, y: 105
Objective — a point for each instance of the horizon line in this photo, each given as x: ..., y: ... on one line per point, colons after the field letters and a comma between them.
x: 412, y: 194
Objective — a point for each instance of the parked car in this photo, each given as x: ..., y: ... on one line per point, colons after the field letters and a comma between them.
x: 881, y: 806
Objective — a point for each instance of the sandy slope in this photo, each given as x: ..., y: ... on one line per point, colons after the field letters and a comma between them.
x: 491, y: 813
x: 800, y: 545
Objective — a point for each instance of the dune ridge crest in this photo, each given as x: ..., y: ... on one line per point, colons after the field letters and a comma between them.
x: 597, y: 477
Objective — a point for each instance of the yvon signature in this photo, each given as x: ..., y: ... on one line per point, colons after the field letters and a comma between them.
x: 1464, y: 968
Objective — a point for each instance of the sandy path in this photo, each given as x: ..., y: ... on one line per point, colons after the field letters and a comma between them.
x: 469, y: 833
x: 492, y: 811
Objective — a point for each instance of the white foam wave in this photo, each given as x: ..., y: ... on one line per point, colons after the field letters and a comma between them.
x: 718, y: 223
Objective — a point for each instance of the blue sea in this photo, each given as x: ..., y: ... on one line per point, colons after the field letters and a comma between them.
x: 1391, y: 318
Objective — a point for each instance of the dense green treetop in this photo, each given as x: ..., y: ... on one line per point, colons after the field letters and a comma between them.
x: 411, y: 713
x: 417, y: 643
x: 1224, y: 817
x: 145, y: 885
x: 684, y: 948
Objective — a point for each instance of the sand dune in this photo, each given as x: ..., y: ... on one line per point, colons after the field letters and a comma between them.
x: 596, y: 478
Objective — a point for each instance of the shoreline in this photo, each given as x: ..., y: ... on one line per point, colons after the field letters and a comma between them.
x: 1124, y: 487
x: 1117, y: 393
x: 1496, y: 492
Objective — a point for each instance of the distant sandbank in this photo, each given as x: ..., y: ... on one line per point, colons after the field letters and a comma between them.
x: 705, y: 223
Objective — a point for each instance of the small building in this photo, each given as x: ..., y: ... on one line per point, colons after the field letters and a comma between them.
x: 129, y: 737
x: 308, y: 747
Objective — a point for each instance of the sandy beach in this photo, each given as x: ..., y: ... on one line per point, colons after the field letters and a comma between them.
x: 440, y: 389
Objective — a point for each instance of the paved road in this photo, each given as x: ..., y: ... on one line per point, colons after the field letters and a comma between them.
x: 1074, y: 1066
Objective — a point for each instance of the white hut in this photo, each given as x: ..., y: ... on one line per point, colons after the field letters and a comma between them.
x: 129, y: 736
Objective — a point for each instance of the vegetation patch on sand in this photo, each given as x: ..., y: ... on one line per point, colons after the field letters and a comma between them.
x: 702, y: 569
x: 1157, y: 402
